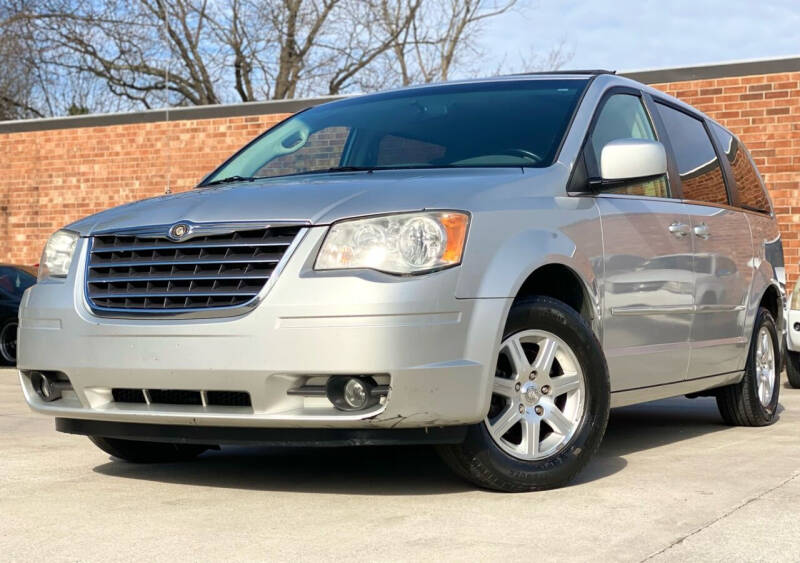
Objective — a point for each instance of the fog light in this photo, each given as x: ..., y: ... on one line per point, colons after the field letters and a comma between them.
x: 355, y: 394
x: 351, y: 393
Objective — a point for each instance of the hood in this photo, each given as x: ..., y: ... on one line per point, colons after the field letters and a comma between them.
x: 316, y: 199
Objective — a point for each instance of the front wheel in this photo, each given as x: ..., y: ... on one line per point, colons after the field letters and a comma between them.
x: 147, y: 452
x: 549, y: 404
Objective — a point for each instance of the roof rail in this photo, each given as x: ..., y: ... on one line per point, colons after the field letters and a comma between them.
x: 589, y: 71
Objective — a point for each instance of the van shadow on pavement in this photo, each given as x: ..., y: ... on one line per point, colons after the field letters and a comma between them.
x: 412, y: 470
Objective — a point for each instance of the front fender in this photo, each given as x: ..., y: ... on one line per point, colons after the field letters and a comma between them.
x: 503, y: 254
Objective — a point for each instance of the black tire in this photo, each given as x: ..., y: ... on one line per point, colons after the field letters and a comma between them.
x: 147, y: 452
x: 793, y: 368
x: 480, y: 460
x: 8, y: 342
x: 739, y: 404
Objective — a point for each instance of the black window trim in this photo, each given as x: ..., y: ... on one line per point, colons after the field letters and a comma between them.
x: 724, y: 165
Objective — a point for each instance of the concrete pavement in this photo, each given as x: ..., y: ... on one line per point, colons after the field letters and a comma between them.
x: 670, y: 483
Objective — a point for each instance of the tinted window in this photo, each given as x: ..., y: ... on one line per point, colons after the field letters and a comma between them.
x: 752, y: 194
x: 508, y: 123
x: 322, y: 149
x: 697, y: 162
x: 14, y: 282
x: 623, y: 117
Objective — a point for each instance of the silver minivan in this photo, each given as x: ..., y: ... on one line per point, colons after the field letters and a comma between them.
x: 488, y: 266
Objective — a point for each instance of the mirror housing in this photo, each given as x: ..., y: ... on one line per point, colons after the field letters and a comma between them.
x: 625, y: 160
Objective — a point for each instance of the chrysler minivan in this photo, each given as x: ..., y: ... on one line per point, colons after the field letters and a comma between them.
x: 488, y: 266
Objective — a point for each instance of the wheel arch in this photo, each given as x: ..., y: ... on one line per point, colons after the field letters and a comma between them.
x: 560, y: 281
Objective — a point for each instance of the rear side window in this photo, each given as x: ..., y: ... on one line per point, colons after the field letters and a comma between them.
x: 623, y: 117
x: 697, y: 162
x: 752, y: 194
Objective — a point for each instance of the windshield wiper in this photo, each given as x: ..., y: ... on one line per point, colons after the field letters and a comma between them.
x: 228, y: 180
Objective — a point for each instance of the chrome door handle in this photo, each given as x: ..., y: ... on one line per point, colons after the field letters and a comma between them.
x: 680, y: 230
x: 702, y: 230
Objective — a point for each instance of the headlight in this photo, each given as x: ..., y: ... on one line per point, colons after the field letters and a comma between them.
x: 57, y: 255
x: 409, y: 243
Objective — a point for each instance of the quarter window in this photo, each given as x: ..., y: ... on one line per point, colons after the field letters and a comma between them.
x: 752, y: 194
x: 624, y: 117
x: 698, y: 166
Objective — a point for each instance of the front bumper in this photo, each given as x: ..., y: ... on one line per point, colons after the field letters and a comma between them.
x: 437, y: 351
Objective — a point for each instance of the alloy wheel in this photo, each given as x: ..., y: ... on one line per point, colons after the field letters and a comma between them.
x: 538, y: 396
x: 765, y: 366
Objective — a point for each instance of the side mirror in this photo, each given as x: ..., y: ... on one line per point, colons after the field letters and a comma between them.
x: 623, y: 160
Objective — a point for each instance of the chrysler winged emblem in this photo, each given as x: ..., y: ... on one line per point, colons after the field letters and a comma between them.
x: 178, y: 231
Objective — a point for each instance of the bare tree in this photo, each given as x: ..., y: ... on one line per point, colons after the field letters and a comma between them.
x: 442, y: 36
x: 17, y: 81
x: 95, y: 55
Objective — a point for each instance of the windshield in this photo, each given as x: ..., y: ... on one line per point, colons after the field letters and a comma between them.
x: 483, y: 124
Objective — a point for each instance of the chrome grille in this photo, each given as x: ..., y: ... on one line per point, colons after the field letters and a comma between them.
x: 217, y: 266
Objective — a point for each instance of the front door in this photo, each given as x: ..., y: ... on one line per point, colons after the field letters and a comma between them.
x: 648, y: 282
x: 648, y: 290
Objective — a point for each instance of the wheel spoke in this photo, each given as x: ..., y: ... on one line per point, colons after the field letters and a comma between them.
x: 522, y: 367
x: 531, y: 430
x: 556, y: 420
x: 564, y: 383
x: 504, y: 423
x: 504, y: 387
x: 544, y: 359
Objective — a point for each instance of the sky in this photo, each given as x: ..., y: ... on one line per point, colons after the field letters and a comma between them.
x: 646, y: 34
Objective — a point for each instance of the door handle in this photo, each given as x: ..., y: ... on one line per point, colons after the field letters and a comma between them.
x: 702, y: 231
x: 680, y: 230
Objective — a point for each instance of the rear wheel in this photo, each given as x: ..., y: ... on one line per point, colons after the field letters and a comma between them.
x: 8, y: 342
x: 754, y: 400
x: 147, y: 452
x: 793, y: 368
x: 549, y: 404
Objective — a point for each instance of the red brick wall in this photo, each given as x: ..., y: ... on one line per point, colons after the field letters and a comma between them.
x: 50, y: 178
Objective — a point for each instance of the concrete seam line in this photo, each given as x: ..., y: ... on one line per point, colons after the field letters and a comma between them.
x: 736, y: 508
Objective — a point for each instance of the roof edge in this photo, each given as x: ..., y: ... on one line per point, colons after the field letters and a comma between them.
x: 165, y: 114
x: 654, y: 76
x: 715, y: 70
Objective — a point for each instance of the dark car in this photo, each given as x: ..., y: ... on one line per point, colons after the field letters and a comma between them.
x: 14, y: 280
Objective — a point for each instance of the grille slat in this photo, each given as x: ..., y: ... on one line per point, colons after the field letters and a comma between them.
x: 147, y: 273
x: 285, y: 241
x: 111, y: 262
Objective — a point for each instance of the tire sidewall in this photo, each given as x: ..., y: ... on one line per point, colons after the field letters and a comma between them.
x: 553, y: 316
x: 5, y: 326
x: 793, y: 368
